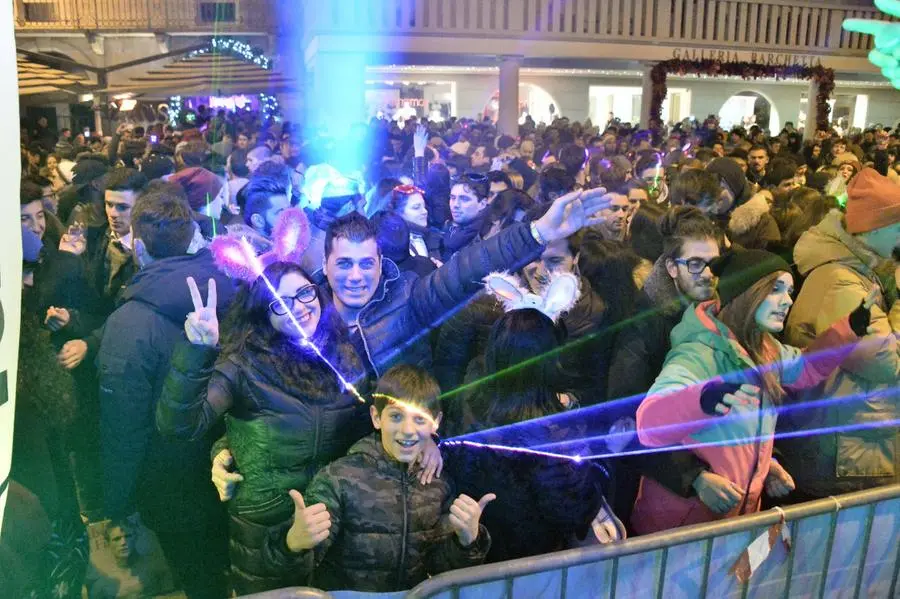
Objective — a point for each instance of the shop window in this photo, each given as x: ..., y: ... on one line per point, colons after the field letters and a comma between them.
x: 217, y: 12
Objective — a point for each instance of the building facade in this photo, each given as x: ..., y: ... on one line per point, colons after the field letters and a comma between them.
x: 351, y: 59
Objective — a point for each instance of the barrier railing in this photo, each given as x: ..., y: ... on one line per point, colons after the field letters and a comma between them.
x: 784, y: 25
x: 845, y: 546
x: 848, y: 546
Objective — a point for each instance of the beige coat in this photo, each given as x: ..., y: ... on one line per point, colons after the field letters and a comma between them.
x: 839, y: 271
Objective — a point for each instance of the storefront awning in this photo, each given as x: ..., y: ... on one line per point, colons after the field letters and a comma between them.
x: 203, y: 74
x: 36, y: 78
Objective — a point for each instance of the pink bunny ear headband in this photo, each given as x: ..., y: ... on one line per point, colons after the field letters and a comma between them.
x: 290, y: 239
x: 559, y: 296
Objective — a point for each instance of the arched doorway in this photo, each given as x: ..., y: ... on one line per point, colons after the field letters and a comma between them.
x: 534, y: 100
x: 747, y: 108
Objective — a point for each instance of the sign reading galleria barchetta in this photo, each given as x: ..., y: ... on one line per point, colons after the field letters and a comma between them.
x: 766, y: 58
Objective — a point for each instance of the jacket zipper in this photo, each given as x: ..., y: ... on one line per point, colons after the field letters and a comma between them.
x: 401, y: 567
x: 316, y: 427
x: 359, y: 324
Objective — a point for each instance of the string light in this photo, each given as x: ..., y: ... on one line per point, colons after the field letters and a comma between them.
x: 269, y: 106
x: 229, y: 45
x: 174, y: 109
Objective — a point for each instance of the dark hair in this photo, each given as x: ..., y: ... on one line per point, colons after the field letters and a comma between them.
x: 521, y: 370
x: 554, y: 182
x: 571, y: 157
x: 779, y: 170
x: 499, y: 177
x: 157, y: 166
x: 246, y: 328
x: 510, y: 206
x: 476, y: 183
x: 757, y: 147
x: 353, y: 227
x: 163, y: 221
x: 410, y: 384
x: 695, y: 187
x: 881, y: 162
x: 609, y: 268
x: 647, y: 161
x: 239, y: 163
x: 124, y: 179
x: 29, y: 192
x: 681, y: 224
x: 739, y: 153
x: 257, y: 193
x: 437, y: 180
x: 645, y: 238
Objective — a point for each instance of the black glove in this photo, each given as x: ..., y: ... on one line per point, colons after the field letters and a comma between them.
x: 860, y: 319
x: 712, y: 394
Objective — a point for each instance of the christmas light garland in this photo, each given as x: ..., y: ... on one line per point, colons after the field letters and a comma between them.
x: 237, y: 48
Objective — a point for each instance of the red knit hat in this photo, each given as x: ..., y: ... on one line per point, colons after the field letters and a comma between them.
x: 873, y: 202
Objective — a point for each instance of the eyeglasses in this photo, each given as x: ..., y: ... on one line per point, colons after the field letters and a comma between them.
x: 305, y: 295
x: 695, y: 266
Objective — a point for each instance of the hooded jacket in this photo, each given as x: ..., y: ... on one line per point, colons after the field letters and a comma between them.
x: 164, y: 479
x: 752, y: 225
x: 840, y: 271
x: 388, y: 531
x: 703, y: 351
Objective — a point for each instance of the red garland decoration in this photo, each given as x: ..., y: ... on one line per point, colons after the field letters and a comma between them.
x: 823, y: 77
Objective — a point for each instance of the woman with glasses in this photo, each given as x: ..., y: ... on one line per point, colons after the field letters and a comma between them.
x: 285, y: 413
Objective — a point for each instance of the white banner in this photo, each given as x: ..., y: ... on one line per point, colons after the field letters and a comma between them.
x: 11, y: 254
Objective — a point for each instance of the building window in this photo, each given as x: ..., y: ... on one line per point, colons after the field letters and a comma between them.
x: 217, y: 12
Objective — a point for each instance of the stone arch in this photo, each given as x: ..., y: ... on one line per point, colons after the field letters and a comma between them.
x: 768, y: 109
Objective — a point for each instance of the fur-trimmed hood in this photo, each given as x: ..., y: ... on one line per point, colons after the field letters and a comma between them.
x: 747, y: 216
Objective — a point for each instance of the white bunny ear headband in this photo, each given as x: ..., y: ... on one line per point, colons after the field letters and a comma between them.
x: 557, y: 297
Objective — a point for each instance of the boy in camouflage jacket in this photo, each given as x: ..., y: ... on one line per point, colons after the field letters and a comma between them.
x: 370, y: 525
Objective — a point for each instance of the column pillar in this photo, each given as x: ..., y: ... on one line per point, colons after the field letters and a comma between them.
x: 508, y: 117
x: 646, y: 96
x: 809, y: 131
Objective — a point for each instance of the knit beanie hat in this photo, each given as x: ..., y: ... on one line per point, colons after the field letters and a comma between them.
x: 200, y: 185
x: 739, y: 270
x: 873, y: 202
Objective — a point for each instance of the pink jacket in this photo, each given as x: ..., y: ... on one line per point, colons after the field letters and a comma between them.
x: 703, y: 349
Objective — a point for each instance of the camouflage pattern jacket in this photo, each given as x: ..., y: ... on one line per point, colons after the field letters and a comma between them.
x: 388, y: 531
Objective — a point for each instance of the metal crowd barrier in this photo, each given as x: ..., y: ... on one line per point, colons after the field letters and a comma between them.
x: 846, y: 546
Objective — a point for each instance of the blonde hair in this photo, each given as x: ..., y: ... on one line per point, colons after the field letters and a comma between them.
x: 516, y: 179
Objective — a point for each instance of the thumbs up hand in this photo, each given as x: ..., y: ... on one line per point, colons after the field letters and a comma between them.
x: 465, y: 515
x: 311, y: 525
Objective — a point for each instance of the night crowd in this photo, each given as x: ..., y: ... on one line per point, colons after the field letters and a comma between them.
x: 256, y: 344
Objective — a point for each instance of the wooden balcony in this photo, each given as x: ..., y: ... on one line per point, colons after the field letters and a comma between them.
x: 783, y: 25
x: 220, y: 16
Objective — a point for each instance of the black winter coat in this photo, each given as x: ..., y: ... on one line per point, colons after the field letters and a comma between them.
x: 167, y: 480
x: 395, y: 324
x: 388, y: 531
x: 280, y: 432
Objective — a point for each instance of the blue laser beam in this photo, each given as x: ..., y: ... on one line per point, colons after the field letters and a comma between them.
x: 619, y: 406
x: 305, y: 341
x: 648, y: 450
x: 748, y: 415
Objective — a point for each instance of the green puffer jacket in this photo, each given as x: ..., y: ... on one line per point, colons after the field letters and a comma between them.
x: 388, y: 531
x: 281, y: 431
x: 839, y: 272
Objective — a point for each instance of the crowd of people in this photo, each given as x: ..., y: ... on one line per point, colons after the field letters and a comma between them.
x: 319, y: 334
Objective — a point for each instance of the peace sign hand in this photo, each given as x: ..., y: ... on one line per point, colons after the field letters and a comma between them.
x: 202, y: 325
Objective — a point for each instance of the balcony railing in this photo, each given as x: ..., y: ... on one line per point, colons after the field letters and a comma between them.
x: 144, y: 15
x: 784, y: 25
